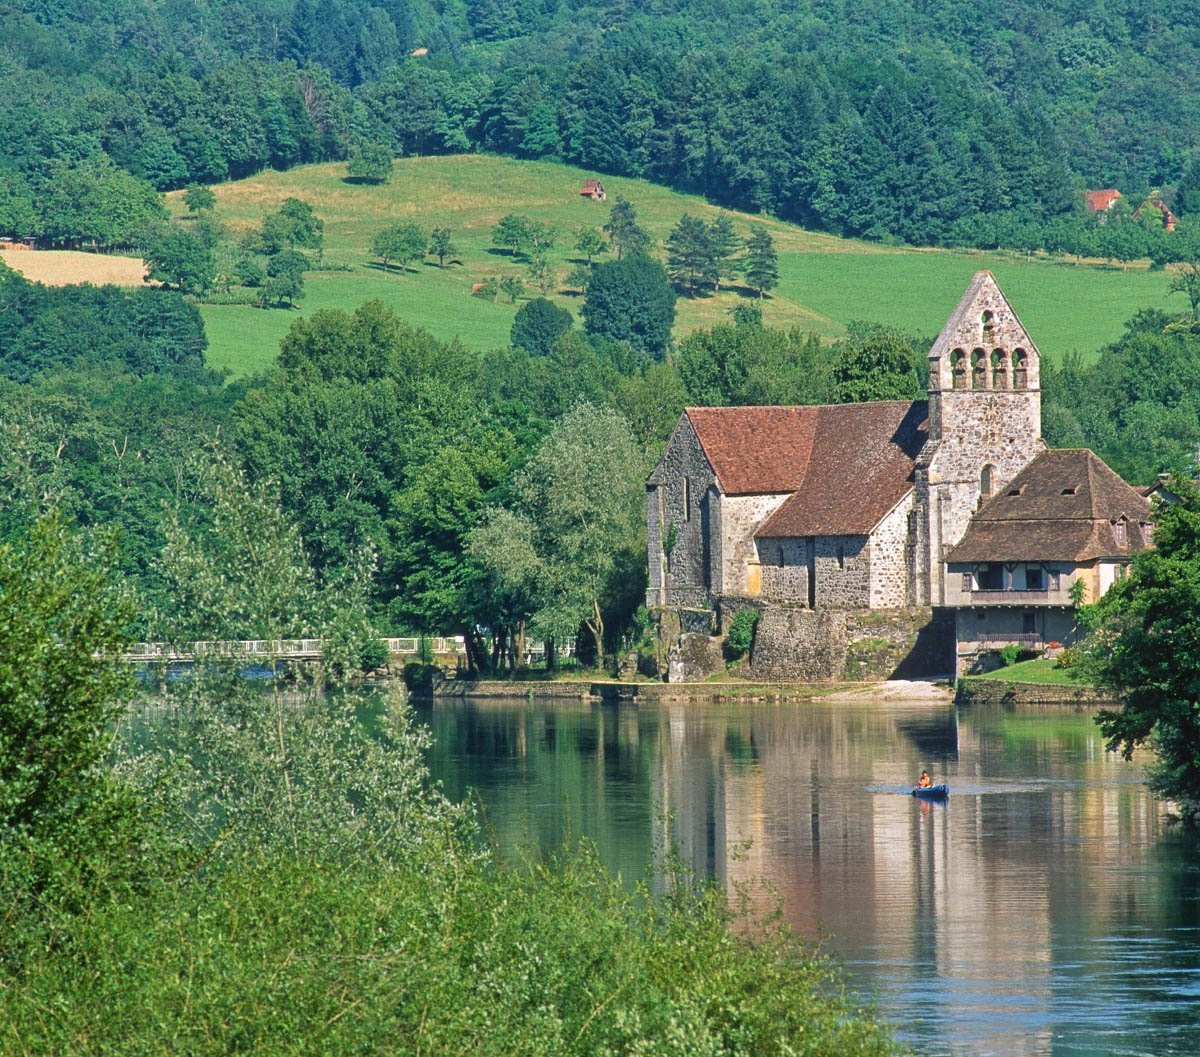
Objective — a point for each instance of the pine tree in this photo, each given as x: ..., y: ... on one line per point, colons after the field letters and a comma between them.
x: 624, y: 231
x: 724, y: 243
x: 691, y: 261
x: 760, y: 265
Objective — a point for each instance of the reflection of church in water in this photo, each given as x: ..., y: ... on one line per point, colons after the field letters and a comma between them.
x: 810, y: 801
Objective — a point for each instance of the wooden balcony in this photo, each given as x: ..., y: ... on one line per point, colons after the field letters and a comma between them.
x: 956, y: 596
x: 1011, y: 597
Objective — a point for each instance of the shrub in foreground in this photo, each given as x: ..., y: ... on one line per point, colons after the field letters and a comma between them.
x: 293, y: 957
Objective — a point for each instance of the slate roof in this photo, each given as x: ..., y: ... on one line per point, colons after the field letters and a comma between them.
x: 846, y: 465
x: 1061, y: 507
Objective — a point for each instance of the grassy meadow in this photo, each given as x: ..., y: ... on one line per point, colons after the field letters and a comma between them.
x: 825, y: 282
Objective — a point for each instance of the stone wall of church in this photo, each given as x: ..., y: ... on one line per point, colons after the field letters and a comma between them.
x: 890, y: 556
x: 682, y: 509
x: 996, y: 432
x: 740, y: 517
x: 784, y: 568
x: 842, y: 568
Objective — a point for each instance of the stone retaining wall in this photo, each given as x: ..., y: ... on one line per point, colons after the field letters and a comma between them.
x: 998, y: 691
x: 794, y: 644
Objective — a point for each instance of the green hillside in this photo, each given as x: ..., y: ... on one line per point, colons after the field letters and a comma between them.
x: 825, y: 281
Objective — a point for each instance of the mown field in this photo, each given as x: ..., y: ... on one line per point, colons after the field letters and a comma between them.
x: 825, y: 282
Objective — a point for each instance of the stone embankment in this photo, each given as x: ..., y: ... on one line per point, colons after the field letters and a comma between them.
x: 999, y: 691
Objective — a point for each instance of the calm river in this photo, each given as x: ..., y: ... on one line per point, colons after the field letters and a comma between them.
x: 1046, y: 909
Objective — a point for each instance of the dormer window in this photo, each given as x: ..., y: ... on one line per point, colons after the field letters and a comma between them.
x: 1019, y: 490
x: 1120, y: 536
x: 1070, y: 490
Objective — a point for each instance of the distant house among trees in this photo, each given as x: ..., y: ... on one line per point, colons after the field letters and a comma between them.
x: 1155, y: 204
x: 594, y: 190
x: 1101, y: 201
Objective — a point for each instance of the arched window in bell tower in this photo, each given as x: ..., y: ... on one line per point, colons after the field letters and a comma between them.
x: 999, y: 369
x: 988, y: 322
x: 979, y: 369
x: 1020, y: 368
x: 958, y: 369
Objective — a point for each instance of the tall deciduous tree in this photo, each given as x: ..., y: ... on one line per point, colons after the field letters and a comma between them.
x: 631, y: 300
x: 875, y: 362
x: 441, y: 245
x: 181, y: 259
x: 402, y: 243
x: 370, y: 163
x: 1145, y: 644
x: 578, y: 511
x: 62, y: 685
x: 590, y: 243
x: 538, y: 325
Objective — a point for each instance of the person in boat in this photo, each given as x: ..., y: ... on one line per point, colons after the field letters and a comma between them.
x: 924, y: 782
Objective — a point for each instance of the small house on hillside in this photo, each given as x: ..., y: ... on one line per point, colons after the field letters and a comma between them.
x: 594, y: 190
x: 1065, y: 520
x: 1153, y: 205
x: 1101, y: 201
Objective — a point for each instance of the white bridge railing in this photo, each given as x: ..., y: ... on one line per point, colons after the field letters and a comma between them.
x: 278, y: 649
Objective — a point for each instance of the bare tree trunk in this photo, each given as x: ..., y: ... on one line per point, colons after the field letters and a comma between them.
x: 596, y: 627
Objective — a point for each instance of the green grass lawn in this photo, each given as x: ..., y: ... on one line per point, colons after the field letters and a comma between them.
x: 1039, y: 671
x: 825, y: 282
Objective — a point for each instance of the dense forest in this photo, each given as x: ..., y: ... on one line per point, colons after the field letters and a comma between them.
x: 928, y: 122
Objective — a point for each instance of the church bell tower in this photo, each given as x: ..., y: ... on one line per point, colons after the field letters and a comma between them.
x: 985, y: 423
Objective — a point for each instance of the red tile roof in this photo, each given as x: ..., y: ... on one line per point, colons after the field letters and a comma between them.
x: 1099, y: 201
x: 846, y: 465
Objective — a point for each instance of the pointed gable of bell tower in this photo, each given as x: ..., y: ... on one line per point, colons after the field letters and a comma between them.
x: 983, y: 348
x: 985, y: 420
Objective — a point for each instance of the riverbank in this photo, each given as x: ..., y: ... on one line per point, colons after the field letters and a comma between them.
x: 649, y: 692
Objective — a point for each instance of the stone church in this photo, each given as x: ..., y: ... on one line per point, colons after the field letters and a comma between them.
x: 835, y: 522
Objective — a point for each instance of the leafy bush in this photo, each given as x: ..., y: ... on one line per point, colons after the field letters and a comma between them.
x: 373, y: 654
x: 1069, y: 658
x: 1009, y: 654
x: 740, y: 636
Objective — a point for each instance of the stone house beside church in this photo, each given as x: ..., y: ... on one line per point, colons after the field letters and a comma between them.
x: 838, y: 522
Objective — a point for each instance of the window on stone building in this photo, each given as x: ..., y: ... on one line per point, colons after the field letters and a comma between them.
x: 985, y: 482
x: 999, y: 369
x: 979, y: 369
x: 988, y: 322
x: 1020, y: 369
x: 966, y: 583
x: 1055, y: 578
x: 687, y: 499
x: 1033, y: 578
x: 1119, y: 535
x: 841, y: 556
x: 958, y: 368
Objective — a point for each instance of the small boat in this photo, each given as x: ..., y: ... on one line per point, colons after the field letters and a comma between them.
x: 932, y: 792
